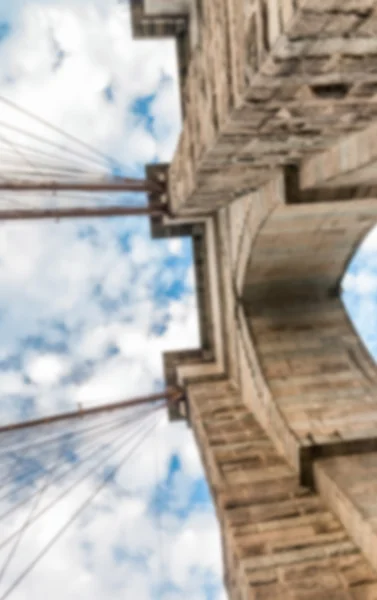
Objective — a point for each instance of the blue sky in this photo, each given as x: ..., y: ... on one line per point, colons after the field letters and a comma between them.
x: 360, y: 292
x: 87, y: 308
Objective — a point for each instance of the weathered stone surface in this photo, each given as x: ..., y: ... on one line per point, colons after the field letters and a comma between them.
x: 353, y: 161
x: 268, y: 82
x: 279, y: 539
x: 316, y: 369
x: 276, y: 164
x: 348, y: 484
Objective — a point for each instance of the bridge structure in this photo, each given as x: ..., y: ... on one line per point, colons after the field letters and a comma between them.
x: 275, y: 179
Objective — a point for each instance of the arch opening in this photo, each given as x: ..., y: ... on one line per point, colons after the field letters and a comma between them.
x: 319, y: 378
x: 359, y: 292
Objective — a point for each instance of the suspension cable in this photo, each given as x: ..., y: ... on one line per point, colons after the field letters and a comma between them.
x: 112, y: 473
x: 86, y: 459
x: 47, y: 441
x: 11, y: 144
x: 93, y: 410
x: 51, y: 173
x: 98, y: 428
x: 50, y: 143
x: 39, y: 152
x: 52, y: 503
x: 57, y: 129
x: 8, y: 160
x: 37, y: 499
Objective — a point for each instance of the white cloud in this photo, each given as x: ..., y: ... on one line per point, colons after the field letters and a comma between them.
x: 82, y: 308
x: 173, y: 549
x: 46, y: 369
x: 363, y: 282
x: 97, y: 51
x: 370, y: 242
x: 11, y: 383
x: 175, y: 246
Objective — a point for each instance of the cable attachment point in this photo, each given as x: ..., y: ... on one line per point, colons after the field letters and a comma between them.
x: 177, y: 402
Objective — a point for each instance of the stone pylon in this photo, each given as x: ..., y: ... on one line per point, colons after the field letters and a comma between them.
x: 275, y: 180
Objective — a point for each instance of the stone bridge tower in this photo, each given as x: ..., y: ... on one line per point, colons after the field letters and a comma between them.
x: 275, y: 179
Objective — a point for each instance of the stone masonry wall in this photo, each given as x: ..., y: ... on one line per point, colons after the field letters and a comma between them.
x: 348, y: 484
x: 275, y: 84
x: 270, y: 83
x: 246, y: 218
x: 351, y: 162
x: 279, y: 540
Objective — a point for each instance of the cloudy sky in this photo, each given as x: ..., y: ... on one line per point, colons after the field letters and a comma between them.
x: 360, y: 292
x: 86, y: 310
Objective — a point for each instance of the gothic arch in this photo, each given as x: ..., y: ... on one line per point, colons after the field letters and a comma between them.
x: 317, y: 380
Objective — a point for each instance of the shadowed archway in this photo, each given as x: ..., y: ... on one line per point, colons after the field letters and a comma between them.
x: 317, y: 390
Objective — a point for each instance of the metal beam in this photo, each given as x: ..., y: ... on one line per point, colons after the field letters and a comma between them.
x: 28, y: 214
x: 170, y: 395
x: 115, y: 185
